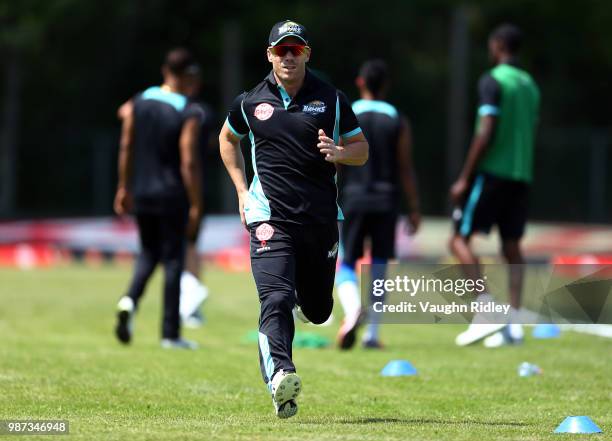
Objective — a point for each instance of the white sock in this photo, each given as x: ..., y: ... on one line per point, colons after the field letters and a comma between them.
x: 371, y: 333
x: 348, y: 293
x: 193, y: 293
x: 125, y: 304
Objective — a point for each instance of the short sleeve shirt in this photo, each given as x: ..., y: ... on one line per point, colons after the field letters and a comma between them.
x: 156, y: 182
x: 489, y: 96
x: 374, y: 187
x: 292, y: 181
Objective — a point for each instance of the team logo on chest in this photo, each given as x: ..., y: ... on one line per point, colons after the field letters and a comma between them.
x: 263, y: 111
x: 314, y: 107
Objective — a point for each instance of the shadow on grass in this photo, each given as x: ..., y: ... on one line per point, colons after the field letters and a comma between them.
x: 413, y: 421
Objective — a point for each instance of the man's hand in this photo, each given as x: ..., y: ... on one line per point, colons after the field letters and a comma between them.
x: 328, y: 147
x: 123, y: 202
x: 242, y: 198
x: 458, y: 191
x: 414, y: 222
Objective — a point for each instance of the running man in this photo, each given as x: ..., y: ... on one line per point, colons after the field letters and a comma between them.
x: 295, y: 123
x: 493, y: 186
x: 159, y: 182
x: 370, y: 197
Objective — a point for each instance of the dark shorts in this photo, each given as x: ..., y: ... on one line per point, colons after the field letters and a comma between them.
x: 289, y: 258
x: 493, y: 201
x: 378, y: 227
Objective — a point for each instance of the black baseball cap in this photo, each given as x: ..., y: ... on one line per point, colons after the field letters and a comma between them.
x: 287, y: 28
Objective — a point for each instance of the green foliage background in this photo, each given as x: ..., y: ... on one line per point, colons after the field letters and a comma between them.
x: 80, y: 59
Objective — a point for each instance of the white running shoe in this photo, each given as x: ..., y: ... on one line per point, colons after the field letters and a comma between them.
x: 194, y: 321
x: 286, y: 386
x: 285, y: 410
x: 193, y: 295
x: 483, y: 323
x: 299, y: 314
x: 178, y: 343
x: 497, y: 340
x: 125, y: 315
x: 329, y: 321
x: 476, y: 332
x: 511, y: 335
x: 516, y: 331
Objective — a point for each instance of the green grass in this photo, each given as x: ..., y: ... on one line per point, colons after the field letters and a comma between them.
x: 59, y: 360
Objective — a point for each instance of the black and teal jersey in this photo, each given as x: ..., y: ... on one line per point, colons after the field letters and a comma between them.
x: 374, y: 187
x: 292, y: 182
x: 510, y: 94
x: 156, y: 182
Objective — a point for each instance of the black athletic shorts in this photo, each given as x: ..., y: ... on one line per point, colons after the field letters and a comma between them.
x: 493, y: 201
x: 291, y: 258
x: 379, y: 227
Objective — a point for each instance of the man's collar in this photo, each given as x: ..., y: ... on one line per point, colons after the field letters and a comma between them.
x: 272, y: 79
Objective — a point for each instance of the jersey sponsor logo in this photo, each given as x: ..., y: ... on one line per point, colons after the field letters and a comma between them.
x: 263, y: 111
x: 264, y: 232
x: 314, y: 107
x: 333, y: 252
x: 263, y: 248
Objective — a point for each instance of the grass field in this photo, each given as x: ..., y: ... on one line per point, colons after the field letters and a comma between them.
x: 59, y: 360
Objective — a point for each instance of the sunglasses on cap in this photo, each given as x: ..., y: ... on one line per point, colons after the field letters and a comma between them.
x: 282, y: 49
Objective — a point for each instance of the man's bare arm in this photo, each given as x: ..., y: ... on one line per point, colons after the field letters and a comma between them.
x: 479, y: 146
x: 191, y: 172
x: 229, y: 146
x: 480, y: 143
x: 122, y: 198
x: 407, y: 173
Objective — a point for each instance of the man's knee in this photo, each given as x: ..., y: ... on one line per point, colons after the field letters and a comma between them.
x: 279, y: 301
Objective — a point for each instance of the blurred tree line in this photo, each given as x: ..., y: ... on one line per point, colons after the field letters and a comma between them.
x: 68, y: 64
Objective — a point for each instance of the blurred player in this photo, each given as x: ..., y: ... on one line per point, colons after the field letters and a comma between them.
x: 193, y: 291
x: 159, y: 182
x: 370, y: 197
x: 493, y: 186
x: 290, y: 208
